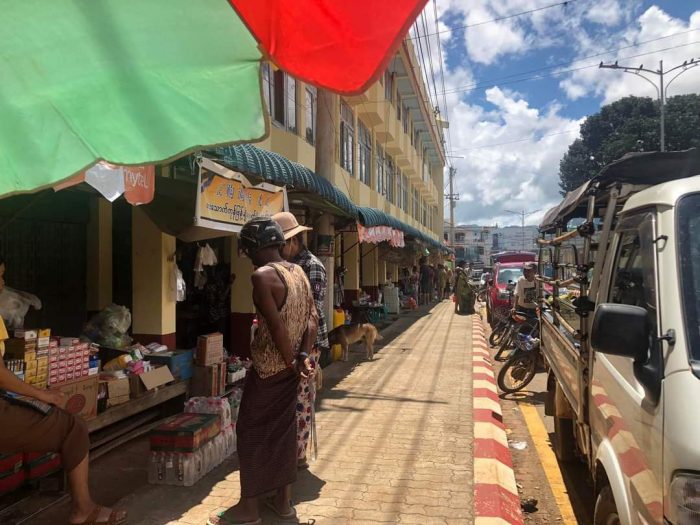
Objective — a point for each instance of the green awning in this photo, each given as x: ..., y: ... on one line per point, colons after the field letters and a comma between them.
x: 373, y: 217
x: 276, y: 169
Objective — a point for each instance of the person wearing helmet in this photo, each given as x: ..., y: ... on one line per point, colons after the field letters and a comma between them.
x: 266, y: 427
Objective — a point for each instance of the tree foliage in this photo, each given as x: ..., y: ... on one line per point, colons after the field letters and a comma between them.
x: 630, y: 124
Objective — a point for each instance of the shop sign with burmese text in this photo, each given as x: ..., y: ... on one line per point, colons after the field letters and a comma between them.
x: 226, y: 200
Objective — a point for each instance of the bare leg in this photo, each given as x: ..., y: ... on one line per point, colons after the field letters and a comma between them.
x: 83, y: 506
x: 283, y: 500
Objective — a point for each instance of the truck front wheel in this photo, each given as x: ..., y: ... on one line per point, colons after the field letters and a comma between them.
x: 605, y: 509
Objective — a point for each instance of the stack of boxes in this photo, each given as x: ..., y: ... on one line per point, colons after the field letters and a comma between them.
x: 69, y: 359
x: 209, y: 377
x: 188, y: 446
x: 18, y: 468
x: 32, y: 346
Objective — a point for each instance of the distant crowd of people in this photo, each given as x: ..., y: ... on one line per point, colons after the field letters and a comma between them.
x: 427, y: 283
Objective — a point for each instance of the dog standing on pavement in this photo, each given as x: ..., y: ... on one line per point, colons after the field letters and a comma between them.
x: 346, y: 335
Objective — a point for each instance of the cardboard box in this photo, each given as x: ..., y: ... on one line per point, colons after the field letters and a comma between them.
x: 27, y: 335
x: 140, y: 384
x: 39, y: 465
x: 208, y: 381
x: 81, y: 396
x: 118, y: 387
x: 44, y: 332
x: 43, y: 342
x: 180, y: 362
x: 185, y: 432
x: 210, y: 349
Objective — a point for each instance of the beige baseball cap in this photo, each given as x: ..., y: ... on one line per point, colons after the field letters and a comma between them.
x: 290, y: 225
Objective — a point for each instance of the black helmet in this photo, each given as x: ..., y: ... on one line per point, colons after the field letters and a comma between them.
x: 260, y: 232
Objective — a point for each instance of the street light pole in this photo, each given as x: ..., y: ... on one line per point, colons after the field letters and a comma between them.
x: 661, y: 88
x: 522, y: 214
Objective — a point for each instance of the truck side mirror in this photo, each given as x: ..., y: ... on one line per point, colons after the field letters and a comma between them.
x: 621, y: 329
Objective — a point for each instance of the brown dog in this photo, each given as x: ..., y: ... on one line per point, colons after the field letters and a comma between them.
x: 348, y: 334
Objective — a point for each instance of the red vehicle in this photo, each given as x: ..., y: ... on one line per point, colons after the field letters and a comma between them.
x: 507, y: 269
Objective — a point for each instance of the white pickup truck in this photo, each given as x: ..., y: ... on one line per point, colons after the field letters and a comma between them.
x: 622, y: 335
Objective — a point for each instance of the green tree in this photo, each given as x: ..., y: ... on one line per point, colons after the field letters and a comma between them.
x: 630, y: 124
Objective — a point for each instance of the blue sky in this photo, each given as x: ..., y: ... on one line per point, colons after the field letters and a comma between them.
x: 513, y: 133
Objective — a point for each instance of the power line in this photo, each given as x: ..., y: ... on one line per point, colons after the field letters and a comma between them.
x: 448, y: 145
x: 555, y: 73
x: 514, y: 15
x: 516, y: 141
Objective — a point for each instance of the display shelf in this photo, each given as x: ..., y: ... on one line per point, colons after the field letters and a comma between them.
x: 138, y: 405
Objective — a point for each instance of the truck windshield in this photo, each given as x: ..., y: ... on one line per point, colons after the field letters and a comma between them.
x: 509, y: 274
x: 688, y: 248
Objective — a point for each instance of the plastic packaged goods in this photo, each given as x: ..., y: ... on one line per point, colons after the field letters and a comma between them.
x: 210, y: 405
x: 110, y: 326
x: 229, y: 434
x: 176, y: 468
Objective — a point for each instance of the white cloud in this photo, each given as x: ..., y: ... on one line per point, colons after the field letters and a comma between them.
x: 512, y: 149
x: 653, y: 24
x: 521, y: 174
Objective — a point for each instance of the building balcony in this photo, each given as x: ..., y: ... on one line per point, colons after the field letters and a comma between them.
x: 376, y: 109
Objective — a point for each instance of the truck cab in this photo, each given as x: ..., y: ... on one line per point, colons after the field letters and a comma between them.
x: 622, y: 337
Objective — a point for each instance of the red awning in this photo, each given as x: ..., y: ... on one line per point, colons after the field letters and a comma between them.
x: 336, y: 44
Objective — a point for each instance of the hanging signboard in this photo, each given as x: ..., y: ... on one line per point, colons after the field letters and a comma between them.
x: 226, y: 200
x: 377, y: 234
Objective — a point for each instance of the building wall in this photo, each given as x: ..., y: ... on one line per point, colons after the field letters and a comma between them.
x: 386, y: 136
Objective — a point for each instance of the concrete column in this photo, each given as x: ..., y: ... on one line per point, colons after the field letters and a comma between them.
x: 242, y: 307
x: 324, y: 167
x: 152, y: 261
x: 99, y: 255
x: 352, y: 263
x: 382, y: 268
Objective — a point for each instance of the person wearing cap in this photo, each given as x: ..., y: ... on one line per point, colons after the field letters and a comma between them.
x: 525, y: 295
x: 296, y: 252
x: 266, y: 428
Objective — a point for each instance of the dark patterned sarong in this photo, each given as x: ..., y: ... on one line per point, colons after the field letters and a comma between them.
x: 266, y: 432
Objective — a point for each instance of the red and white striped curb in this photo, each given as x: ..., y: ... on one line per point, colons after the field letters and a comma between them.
x: 496, y: 499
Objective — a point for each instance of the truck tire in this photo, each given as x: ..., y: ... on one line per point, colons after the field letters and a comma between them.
x: 605, y: 510
x: 564, y: 441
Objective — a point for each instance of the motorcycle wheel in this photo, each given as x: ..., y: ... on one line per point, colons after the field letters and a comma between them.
x: 497, y: 334
x: 518, y: 371
x: 506, y: 343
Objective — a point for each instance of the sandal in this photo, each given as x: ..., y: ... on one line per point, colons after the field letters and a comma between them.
x: 270, y: 504
x: 113, y: 518
x: 220, y: 520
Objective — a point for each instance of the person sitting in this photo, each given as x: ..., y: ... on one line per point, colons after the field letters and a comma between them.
x: 49, y: 428
x: 525, y: 295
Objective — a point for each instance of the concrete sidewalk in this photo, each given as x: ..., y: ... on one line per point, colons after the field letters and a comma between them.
x: 394, y: 438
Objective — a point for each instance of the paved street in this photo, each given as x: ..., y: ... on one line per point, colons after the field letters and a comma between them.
x: 394, y: 438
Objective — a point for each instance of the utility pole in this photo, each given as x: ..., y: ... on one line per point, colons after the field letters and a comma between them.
x: 522, y: 215
x: 453, y: 198
x: 661, y: 87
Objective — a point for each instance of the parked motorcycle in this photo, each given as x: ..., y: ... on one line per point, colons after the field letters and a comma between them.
x: 515, y: 324
x: 521, y: 366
